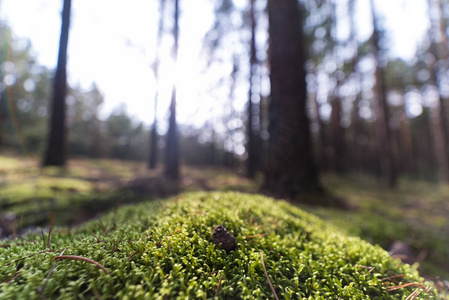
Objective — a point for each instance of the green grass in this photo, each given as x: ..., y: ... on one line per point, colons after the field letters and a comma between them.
x: 163, y: 249
x: 72, y: 195
x: 414, y: 213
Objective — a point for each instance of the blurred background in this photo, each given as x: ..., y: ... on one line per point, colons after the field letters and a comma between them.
x: 114, y: 48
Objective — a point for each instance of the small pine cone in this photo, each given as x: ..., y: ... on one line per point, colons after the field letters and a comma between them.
x: 222, y: 238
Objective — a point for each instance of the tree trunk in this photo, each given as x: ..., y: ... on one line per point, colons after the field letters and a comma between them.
x: 338, y: 134
x: 439, y: 51
x: 251, y: 163
x: 56, y: 152
x: 291, y: 171
x: 152, y: 162
x: 172, y: 150
x: 385, y: 142
x: 229, y: 143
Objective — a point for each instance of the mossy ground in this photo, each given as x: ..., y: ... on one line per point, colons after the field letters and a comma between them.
x: 415, y: 213
x: 163, y: 249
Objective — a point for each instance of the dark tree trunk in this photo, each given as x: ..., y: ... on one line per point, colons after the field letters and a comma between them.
x: 172, y: 149
x: 152, y: 162
x: 384, y: 135
x: 153, y: 145
x: 3, y: 98
x: 251, y: 163
x: 291, y: 171
x: 439, y: 51
x: 320, y: 155
x: 229, y: 159
x: 407, y: 159
x: 56, y: 152
x: 338, y: 134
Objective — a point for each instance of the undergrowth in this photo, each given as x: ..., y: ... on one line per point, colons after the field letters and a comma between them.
x: 164, y: 249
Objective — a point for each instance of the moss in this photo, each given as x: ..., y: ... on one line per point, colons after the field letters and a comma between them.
x: 414, y: 213
x: 164, y: 249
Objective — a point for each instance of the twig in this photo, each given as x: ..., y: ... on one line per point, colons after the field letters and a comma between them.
x: 135, y: 252
x: 11, y: 278
x: 268, y: 278
x: 98, y: 240
x: 260, y: 235
x: 219, y: 285
x: 393, y: 288
x: 370, y: 269
x: 52, y: 223
x: 31, y: 255
x: 160, y: 241
x: 392, y: 277
x: 42, y: 289
x: 105, y: 230
x: 413, y: 295
x: 82, y: 259
x: 43, y: 237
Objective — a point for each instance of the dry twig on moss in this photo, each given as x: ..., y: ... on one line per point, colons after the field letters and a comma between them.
x: 268, y: 278
x: 135, y: 252
x: 393, y: 288
x: 74, y: 257
x: 98, y: 240
x: 219, y: 285
x: 42, y: 289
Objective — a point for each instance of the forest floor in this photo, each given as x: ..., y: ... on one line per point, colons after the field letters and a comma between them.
x: 410, y: 221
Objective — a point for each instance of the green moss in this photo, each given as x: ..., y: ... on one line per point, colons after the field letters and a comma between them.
x: 164, y: 249
x: 414, y: 213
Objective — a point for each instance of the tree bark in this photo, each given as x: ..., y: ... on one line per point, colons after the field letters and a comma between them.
x: 56, y: 152
x: 440, y: 51
x: 338, y: 133
x: 152, y: 162
x: 384, y: 135
x: 172, y: 150
x: 291, y: 171
x: 251, y: 163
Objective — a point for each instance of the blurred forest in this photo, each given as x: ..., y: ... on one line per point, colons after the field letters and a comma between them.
x: 367, y: 112
x: 318, y: 103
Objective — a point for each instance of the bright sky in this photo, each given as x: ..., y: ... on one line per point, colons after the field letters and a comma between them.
x: 112, y: 43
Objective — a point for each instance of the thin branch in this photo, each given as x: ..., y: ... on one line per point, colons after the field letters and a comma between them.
x: 105, y: 230
x: 98, y: 240
x: 260, y: 235
x: 392, y: 277
x: 11, y: 278
x: 31, y: 255
x: 135, y: 252
x: 42, y: 289
x: 393, y: 288
x: 74, y: 257
x: 370, y: 269
x: 43, y: 237
x: 52, y: 221
x: 219, y: 286
x: 160, y: 241
x: 268, y: 278
x: 414, y: 294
